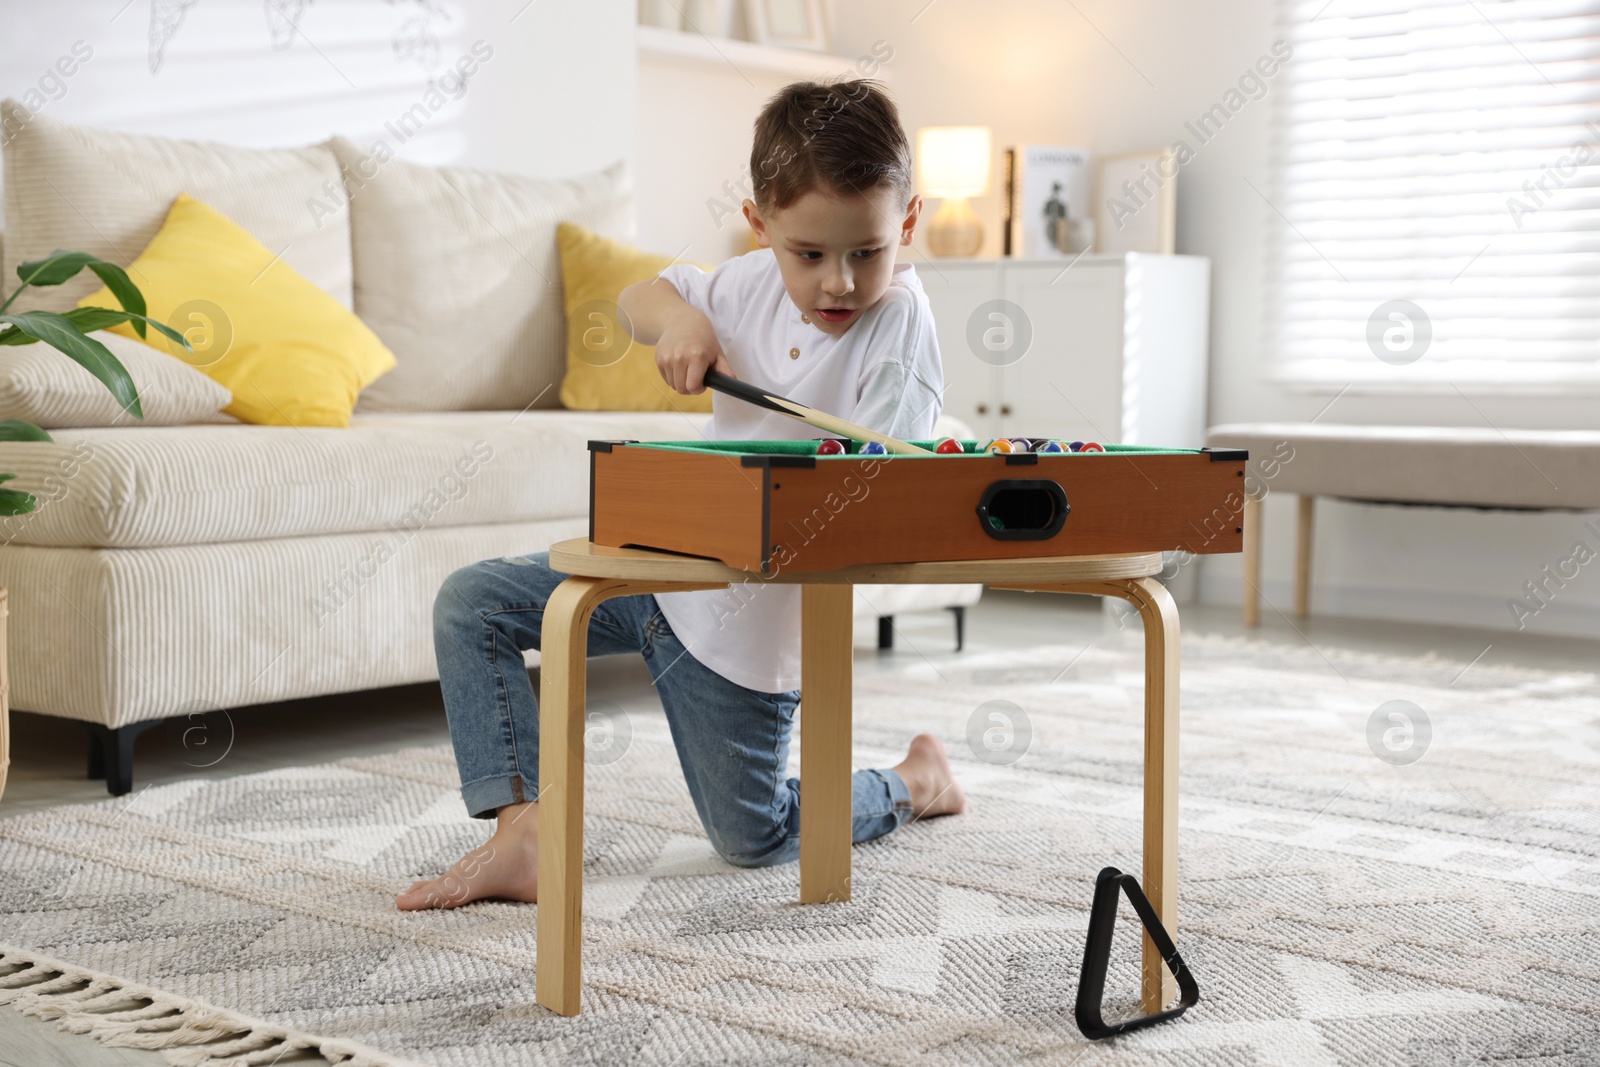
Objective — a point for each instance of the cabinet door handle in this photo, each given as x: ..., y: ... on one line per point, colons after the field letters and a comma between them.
x: 983, y: 409
x: 1005, y: 409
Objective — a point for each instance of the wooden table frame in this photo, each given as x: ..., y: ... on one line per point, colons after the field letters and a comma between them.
x: 600, y: 573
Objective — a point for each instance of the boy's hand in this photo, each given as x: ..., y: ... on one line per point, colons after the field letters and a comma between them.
x: 687, y: 348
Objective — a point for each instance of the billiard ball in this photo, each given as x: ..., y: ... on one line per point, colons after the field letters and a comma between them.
x: 1000, y: 445
x: 1049, y: 446
x: 830, y: 446
x: 1091, y: 446
x: 1076, y: 446
x: 1021, y: 444
x: 874, y: 448
x: 949, y: 447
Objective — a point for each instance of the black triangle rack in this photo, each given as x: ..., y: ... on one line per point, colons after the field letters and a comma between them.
x: 1097, y: 955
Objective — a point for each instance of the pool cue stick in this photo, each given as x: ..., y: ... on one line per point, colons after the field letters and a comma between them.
x: 820, y: 419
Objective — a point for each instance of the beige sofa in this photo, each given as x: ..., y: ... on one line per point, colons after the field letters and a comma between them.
x: 176, y: 569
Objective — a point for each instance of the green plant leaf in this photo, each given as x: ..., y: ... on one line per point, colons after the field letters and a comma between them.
x: 16, y: 502
x: 55, y: 268
x: 17, y: 430
x: 13, y: 336
x: 124, y: 290
x: 93, y: 318
x: 63, y: 264
x: 58, y: 332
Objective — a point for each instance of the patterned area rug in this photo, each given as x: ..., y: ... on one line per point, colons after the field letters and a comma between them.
x: 1383, y: 862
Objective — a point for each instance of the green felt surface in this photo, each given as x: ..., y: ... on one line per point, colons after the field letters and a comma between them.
x: 809, y: 448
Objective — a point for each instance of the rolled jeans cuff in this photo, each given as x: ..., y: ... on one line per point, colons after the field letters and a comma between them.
x: 487, y: 796
x: 899, y: 794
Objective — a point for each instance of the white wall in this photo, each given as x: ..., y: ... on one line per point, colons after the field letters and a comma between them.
x: 556, y: 96
x: 1121, y: 75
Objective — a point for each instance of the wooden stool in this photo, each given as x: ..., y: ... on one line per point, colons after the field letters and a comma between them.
x: 599, y: 573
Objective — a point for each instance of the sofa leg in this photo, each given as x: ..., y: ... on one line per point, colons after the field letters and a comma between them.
x: 961, y: 625
x: 885, y: 631
x: 97, y: 752
x: 111, y: 754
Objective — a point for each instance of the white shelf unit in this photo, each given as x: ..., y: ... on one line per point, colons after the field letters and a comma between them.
x: 1118, y: 352
x: 691, y: 47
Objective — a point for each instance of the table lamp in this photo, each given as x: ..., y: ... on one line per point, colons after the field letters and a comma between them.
x: 952, y: 165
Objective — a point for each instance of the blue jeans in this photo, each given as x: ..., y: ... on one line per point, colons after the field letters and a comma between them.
x: 732, y: 742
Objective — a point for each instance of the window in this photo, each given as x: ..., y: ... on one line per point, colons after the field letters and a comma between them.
x: 1435, y: 195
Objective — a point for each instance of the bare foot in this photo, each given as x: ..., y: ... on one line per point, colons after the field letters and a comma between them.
x: 505, y: 867
x: 927, y: 773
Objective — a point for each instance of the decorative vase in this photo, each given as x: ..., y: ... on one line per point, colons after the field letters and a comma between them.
x: 662, y: 13
x: 714, y: 18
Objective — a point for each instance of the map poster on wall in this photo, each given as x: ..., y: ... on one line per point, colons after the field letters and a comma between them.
x: 1047, y: 210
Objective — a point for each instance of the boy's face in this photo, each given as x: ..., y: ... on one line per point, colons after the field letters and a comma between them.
x: 836, y: 254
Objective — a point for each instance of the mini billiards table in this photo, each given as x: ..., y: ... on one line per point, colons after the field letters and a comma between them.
x: 763, y: 506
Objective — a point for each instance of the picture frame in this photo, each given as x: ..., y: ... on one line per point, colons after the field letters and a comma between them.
x: 1136, y: 203
x: 798, y: 24
x: 1046, y: 210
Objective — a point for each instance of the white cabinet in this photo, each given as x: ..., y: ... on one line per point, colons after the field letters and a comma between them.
x: 1108, y: 349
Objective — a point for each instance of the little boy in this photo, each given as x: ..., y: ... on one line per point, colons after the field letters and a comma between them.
x: 822, y: 314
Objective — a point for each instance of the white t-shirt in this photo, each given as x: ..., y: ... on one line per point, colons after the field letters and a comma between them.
x: 882, y: 373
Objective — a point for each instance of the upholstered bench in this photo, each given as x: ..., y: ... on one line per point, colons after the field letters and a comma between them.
x: 1440, y: 466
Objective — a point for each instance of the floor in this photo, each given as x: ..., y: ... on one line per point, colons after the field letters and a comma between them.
x: 48, y: 754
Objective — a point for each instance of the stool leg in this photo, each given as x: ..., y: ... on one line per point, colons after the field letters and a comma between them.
x: 1160, y: 880
x: 564, y: 647
x: 1252, y: 561
x: 1302, y: 557
x: 825, y: 794
x: 564, y: 643
x: 1160, y: 877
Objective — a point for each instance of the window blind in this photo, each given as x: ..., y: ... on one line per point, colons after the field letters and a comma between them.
x: 1434, y: 193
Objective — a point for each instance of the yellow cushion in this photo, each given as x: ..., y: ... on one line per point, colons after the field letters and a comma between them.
x: 291, y: 354
x: 607, y: 370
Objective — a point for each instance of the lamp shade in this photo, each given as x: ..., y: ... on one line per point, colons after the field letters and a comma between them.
x: 953, y: 161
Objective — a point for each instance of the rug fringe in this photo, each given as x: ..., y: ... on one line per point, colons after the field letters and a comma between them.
x: 188, y: 1033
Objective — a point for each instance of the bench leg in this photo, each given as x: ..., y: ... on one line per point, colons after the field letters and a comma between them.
x: 1302, y: 557
x: 825, y: 791
x: 1252, y: 561
x: 564, y: 641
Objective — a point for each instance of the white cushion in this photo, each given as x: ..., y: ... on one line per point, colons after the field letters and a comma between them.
x: 108, y: 193
x: 458, y: 272
x: 1475, y: 466
x: 190, y: 485
x: 874, y: 601
x: 40, y: 385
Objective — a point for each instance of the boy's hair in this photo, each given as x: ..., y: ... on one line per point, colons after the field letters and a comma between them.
x: 840, y: 138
